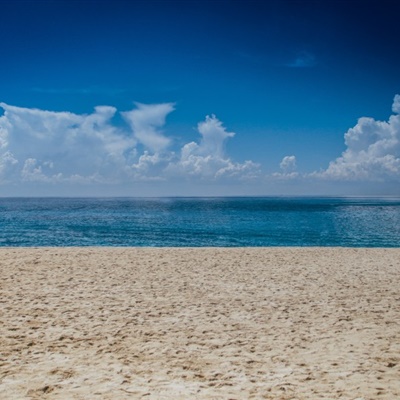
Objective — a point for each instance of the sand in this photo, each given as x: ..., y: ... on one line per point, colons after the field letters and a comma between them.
x: 243, y: 323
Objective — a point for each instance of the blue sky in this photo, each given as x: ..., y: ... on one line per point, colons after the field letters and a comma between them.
x: 199, y: 97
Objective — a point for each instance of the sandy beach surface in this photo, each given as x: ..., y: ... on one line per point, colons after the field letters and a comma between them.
x: 205, y: 323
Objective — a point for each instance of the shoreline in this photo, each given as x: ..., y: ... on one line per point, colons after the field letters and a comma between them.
x: 91, y: 247
x: 200, y: 322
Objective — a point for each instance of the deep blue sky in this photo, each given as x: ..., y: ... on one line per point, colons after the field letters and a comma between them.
x: 289, y: 77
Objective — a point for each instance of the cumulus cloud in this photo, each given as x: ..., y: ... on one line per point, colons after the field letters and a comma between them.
x: 151, y: 167
x: 213, y: 136
x: 396, y: 104
x: 288, y: 169
x: 72, y: 144
x: 32, y: 172
x: 7, y: 162
x: 55, y: 147
x: 207, y: 158
x: 288, y: 164
x: 146, y: 122
x: 373, y: 150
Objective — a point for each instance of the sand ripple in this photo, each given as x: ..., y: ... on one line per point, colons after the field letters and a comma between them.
x: 280, y: 323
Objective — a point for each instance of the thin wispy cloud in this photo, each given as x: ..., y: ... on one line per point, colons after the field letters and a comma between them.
x: 303, y: 60
x: 146, y: 122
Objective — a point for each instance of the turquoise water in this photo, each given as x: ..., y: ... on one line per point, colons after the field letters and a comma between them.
x: 179, y: 222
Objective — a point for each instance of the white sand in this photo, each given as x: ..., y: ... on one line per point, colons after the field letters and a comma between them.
x: 274, y: 323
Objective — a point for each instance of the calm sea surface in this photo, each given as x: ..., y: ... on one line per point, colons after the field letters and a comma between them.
x: 179, y: 222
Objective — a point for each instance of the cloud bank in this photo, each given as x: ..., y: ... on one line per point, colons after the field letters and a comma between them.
x: 55, y: 147
x: 38, y: 145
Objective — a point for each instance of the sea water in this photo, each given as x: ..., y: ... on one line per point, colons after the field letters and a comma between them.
x: 181, y: 222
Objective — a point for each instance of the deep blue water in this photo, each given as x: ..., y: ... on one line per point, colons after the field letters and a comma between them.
x: 178, y: 222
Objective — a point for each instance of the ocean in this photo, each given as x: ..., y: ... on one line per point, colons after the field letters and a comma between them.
x: 200, y: 222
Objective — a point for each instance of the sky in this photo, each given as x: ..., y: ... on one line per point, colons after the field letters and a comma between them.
x: 199, y: 98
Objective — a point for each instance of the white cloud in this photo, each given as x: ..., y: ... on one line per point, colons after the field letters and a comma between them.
x: 288, y: 168
x: 213, y: 136
x: 56, y: 148
x: 396, y: 104
x: 63, y: 147
x: 372, y: 153
x: 7, y: 163
x: 150, y: 167
x: 146, y: 122
x: 207, y: 158
x: 288, y: 164
x: 33, y: 172
x: 73, y: 144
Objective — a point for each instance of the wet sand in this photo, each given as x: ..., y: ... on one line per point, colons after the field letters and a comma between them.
x: 242, y: 323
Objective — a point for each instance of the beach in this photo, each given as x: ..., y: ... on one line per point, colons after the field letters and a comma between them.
x: 199, y: 323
